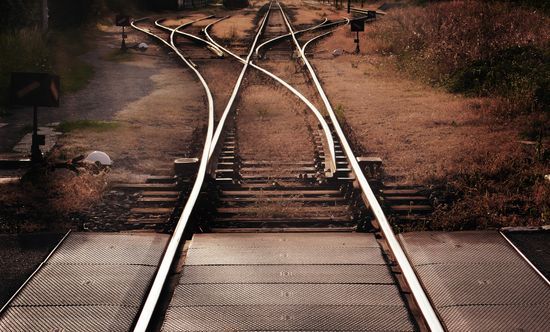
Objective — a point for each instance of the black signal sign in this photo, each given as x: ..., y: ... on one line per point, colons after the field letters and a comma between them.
x: 357, y: 25
x: 34, y: 89
x: 122, y: 20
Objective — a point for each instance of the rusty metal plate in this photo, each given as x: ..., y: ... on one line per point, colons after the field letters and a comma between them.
x: 68, y: 318
x: 456, y: 247
x: 286, y: 294
x: 497, y: 318
x: 318, y: 274
x: 305, y: 255
x: 111, y: 248
x: 310, y: 240
x: 492, y: 284
x: 61, y: 284
x: 288, y: 318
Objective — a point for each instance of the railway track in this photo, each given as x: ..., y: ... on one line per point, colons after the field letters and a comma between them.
x: 240, y: 193
x: 271, y: 243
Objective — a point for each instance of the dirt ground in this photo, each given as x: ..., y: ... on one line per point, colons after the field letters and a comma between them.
x: 270, y: 126
x: 419, y: 132
x: 158, y: 113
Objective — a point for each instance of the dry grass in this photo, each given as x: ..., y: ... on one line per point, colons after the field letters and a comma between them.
x: 467, y: 149
x: 436, y: 40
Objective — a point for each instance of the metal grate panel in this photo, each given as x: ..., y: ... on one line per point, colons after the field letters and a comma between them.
x: 68, y: 318
x: 288, y: 318
x: 459, y: 247
x: 115, y: 248
x: 304, y: 255
x: 286, y: 294
x: 318, y: 274
x: 478, y: 282
x: 497, y: 318
x: 87, y: 285
x: 278, y: 240
x: 470, y: 284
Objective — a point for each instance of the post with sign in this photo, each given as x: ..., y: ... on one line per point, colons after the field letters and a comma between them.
x: 356, y: 26
x: 35, y: 89
x: 122, y: 21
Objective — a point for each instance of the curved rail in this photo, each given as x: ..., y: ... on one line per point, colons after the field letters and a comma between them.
x: 192, y: 37
x: 288, y: 35
x: 216, y: 141
x: 151, y: 301
x: 319, y: 26
x: 424, y: 304
x: 330, y: 163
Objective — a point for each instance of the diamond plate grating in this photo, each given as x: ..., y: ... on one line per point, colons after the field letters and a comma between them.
x: 288, y: 318
x: 116, y: 248
x: 470, y: 284
x: 478, y: 282
x: 458, y: 247
x: 87, y: 285
x: 310, y: 240
x: 497, y: 318
x: 304, y: 255
x: 285, y: 294
x: 68, y: 318
x: 319, y: 274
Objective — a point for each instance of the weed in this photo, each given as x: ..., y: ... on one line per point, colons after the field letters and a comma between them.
x: 340, y: 111
x: 69, y: 126
x: 262, y: 113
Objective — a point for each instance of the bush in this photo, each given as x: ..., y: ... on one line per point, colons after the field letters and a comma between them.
x: 437, y: 40
x: 517, y: 73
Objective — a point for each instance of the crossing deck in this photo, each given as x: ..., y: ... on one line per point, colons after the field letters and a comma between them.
x: 92, y: 282
x: 292, y: 281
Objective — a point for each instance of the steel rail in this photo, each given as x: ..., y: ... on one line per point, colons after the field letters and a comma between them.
x: 192, y: 37
x: 216, y: 141
x: 424, y: 304
x: 153, y: 296
x: 5, y: 306
x: 320, y: 26
x: 330, y: 163
x: 288, y: 35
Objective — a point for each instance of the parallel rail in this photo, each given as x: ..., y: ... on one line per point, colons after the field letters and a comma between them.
x: 424, y: 304
x: 213, y: 144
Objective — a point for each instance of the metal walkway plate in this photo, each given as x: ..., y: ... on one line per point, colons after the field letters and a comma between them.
x: 93, y: 282
x: 478, y: 282
x: 286, y: 282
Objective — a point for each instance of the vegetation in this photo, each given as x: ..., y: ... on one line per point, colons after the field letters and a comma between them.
x: 492, y: 49
x: 68, y: 126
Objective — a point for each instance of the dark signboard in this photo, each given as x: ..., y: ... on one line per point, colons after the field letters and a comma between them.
x: 122, y: 20
x: 357, y: 25
x: 34, y: 89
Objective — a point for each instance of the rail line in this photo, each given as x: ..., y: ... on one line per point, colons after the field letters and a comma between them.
x: 424, y: 304
x: 172, y: 248
x: 215, y: 138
